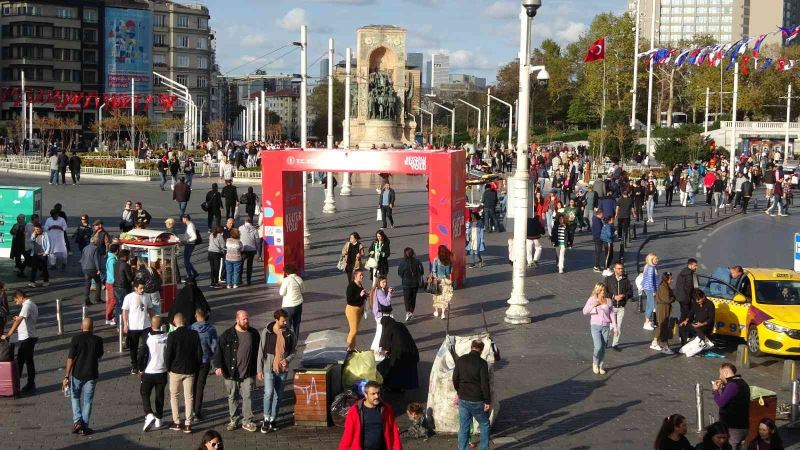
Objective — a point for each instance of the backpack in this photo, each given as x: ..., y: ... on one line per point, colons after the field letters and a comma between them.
x: 199, y: 239
x: 606, y: 233
x: 639, y: 281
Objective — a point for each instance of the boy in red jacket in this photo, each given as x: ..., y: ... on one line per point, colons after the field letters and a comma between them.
x: 370, y: 424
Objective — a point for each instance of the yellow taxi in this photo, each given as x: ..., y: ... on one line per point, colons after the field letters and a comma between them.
x: 762, y: 307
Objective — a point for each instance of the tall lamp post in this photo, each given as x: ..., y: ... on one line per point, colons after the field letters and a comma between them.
x: 330, y: 204
x: 345, y: 191
x: 430, y: 130
x: 452, y: 121
x: 650, y: 80
x: 635, y: 66
x: 303, y: 44
x: 517, y: 312
x: 510, y: 115
x: 478, y: 138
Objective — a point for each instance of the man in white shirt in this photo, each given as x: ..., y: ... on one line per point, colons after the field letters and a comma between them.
x: 25, y: 326
x: 189, y: 239
x: 153, y: 371
x: 136, y: 313
x: 55, y: 226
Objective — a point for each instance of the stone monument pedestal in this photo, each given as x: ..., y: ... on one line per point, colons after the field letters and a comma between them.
x: 380, y: 133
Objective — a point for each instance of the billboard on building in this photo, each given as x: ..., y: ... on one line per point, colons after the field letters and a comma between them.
x: 128, y: 50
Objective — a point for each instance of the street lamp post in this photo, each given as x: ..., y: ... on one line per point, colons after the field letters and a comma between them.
x: 734, y: 142
x: 510, y: 115
x: 650, y: 80
x: 517, y: 312
x: 100, y: 127
x: 430, y: 129
x: 345, y: 191
x: 452, y: 121
x: 303, y: 44
x: 478, y: 139
x: 634, y: 90
x: 133, y: 116
x: 24, y: 113
x: 330, y: 204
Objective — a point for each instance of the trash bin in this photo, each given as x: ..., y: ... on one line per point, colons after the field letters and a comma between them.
x: 313, y: 393
x: 763, y: 404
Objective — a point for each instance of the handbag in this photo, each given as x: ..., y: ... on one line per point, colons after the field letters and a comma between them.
x: 204, y: 206
x: 371, y: 263
x: 433, y: 286
x: 6, y: 351
x: 379, y: 215
x: 341, y: 264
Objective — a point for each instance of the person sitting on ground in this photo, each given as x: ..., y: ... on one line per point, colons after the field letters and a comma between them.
x: 419, y: 428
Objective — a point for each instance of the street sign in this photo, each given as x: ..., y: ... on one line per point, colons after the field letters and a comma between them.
x: 797, y: 252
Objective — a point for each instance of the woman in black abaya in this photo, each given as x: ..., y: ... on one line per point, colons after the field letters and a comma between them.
x: 399, y: 368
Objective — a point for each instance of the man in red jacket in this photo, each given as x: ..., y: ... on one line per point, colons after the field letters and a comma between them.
x: 370, y: 424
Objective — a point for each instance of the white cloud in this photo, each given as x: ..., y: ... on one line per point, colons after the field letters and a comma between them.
x: 560, y: 30
x: 253, y: 40
x: 467, y: 59
x: 348, y: 2
x: 502, y: 10
x: 293, y: 19
x: 571, y: 32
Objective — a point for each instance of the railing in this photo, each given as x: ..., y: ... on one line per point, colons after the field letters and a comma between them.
x: 43, y: 167
x: 761, y: 125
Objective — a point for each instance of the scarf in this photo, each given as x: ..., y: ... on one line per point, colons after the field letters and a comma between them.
x: 280, y: 349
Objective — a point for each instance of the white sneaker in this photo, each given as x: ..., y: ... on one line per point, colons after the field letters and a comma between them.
x: 436, y: 313
x: 408, y: 316
x: 157, y: 424
x: 601, y: 370
x: 648, y: 327
x: 443, y: 316
x: 595, y: 369
x: 112, y: 323
x: 148, y: 420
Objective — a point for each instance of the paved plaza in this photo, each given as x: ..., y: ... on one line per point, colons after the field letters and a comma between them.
x: 549, y: 397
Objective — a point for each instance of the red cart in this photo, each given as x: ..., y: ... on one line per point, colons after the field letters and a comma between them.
x: 160, y: 247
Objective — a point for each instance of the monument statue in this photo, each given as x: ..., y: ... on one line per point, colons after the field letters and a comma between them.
x: 382, y: 98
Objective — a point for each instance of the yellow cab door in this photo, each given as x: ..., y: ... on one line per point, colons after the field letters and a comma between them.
x: 730, y: 305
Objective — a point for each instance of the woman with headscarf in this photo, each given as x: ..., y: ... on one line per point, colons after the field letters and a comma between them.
x: 189, y: 298
x: 399, y: 368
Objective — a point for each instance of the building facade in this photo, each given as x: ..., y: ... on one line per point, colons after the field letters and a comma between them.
x: 723, y: 20
x: 62, y: 46
x: 440, y: 69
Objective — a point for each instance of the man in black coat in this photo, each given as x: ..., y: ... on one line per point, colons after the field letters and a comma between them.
x: 386, y: 199
x: 471, y: 382
x: 181, y: 194
x: 75, y: 168
x: 685, y: 283
x: 619, y: 290
x: 489, y: 200
x: 231, y: 196
x: 182, y: 357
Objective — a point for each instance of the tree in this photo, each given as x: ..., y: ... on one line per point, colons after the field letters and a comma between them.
x: 216, y: 130
x: 318, y: 105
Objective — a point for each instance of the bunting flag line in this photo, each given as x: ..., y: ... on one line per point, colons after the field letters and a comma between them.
x: 63, y: 99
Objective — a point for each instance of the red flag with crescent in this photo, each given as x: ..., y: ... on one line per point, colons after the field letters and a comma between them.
x: 597, y: 51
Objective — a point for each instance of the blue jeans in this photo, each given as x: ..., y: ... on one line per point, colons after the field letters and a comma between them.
x: 189, y: 176
x: 163, y: 180
x: 188, y: 249
x: 232, y: 274
x: 295, y: 316
x: 119, y: 297
x: 474, y: 257
x: 466, y: 411
x: 650, y: 306
x: 776, y: 203
x: 53, y: 176
x: 599, y: 339
x: 182, y: 207
x: 273, y: 384
x: 82, y: 395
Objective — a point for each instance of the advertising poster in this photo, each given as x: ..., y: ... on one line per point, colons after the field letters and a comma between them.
x: 16, y: 200
x: 128, y: 50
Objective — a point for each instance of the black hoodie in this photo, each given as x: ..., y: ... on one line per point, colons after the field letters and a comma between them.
x: 684, y: 285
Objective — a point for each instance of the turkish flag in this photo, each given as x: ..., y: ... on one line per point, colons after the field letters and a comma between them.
x: 597, y: 51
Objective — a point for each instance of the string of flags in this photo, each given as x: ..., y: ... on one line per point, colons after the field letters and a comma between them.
x: 63, y: 99
x: 728, y: 54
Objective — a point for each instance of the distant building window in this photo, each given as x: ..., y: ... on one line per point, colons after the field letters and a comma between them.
x: 159, y: 60
x: 182, y: 41
x: 202, y: 23
x: 90, y: 56
x: 89, y: 35
x: 182, y: 61
x: 156, y: 81
x: 159, y: 20
x: 66, y: 13
x: 182, y: 21
x: 160, y: 40
x: 202, y: 82
x: 90, y: 15
x: 90, y: 76
x: 183, y: 79
x: 202, y: 43
x: 202, y: 62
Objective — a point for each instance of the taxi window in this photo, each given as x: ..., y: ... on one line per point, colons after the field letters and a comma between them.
x: 746, y: 288
x: 717, y: 285
x: 778, y: 292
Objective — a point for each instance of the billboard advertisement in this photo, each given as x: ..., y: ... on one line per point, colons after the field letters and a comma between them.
x: 16, y: 200
x: 128, y: 50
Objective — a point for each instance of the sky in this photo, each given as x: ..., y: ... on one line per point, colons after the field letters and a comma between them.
x: 479, y: 35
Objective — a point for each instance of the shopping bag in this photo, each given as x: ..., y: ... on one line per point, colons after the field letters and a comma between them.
x: 371, y: 263
x: 692, y: 347
x: 360, y: 365
x: 379, y: 216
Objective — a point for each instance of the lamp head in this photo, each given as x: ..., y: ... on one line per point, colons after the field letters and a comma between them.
x: 531, y: 6
x: 543, y: 77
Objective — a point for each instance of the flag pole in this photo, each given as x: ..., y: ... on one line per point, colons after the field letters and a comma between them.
x: 603, y: 110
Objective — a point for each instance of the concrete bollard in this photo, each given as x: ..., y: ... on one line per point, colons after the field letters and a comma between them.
x: 698, y: 392
x: 644, y: 227
x: 83, y: 311
x: 789, y: 373
x: 633, y: 226
x: 794, y: 413
x: 684, y: 222
x: 743, y: 356
x: 696, y: 218
x: 666, y: 224
x: 704, y: 217
x: 59, y: 321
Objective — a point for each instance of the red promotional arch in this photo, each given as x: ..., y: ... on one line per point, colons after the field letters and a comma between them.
x: 282, y: 198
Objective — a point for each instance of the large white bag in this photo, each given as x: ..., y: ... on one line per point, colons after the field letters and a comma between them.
x: 441, y: 394
x: 379, y: 215
x: 692, y: 347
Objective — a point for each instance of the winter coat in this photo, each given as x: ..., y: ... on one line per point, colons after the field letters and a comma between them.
x: 351, y: 438
x: 480, y: 244
x: 410, y: 272
x: 684, y: 284
x: 225, y: 355
x: 650, y: 280
x: 208, y: 339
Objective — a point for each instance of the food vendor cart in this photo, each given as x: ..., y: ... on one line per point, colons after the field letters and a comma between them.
x: 475, y: 182
x: 160, y: 247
